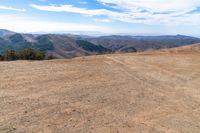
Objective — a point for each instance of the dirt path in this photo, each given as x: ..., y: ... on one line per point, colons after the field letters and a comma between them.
x: 126, y: 93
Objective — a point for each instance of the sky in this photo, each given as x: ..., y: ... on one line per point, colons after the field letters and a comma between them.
x: 134, y: 17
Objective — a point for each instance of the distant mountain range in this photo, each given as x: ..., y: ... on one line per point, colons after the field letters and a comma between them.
x: 69, y: 46
x: 4, y: 32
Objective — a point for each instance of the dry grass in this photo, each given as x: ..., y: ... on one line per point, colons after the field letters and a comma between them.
x: 114, y: 93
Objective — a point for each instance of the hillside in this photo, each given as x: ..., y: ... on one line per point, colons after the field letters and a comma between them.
x: 69, y: 46
x: 20, y: 41
x: 60, y: 46
x: 4, y: 32
x: 191, y: 49
x: 116, y: 93
x: 195, y: 48
x: 142, y: 43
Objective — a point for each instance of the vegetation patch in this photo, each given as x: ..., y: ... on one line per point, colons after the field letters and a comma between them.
x: 43, y: 43
x: 17, y: 42
x: 25, y: 54
x: 92, y: 47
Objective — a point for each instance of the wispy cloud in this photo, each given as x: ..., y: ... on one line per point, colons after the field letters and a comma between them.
x: 27, y: 25
x: 157, y: 11
x: 72, y: 9
x: 102, y: 20
x: 12, y: 8
x: 138, y: 11
x: 153, y: 5
x: 83, y: 11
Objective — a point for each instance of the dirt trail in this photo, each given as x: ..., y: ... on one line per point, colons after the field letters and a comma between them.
x: 120, y: 93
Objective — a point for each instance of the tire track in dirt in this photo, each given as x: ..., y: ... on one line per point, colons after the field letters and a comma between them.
x: 128, y: 70
x: 165, y: 71
x: 161, y: 89
x: 153, y: 85
x: 145, y: 85
x: 180, y: 77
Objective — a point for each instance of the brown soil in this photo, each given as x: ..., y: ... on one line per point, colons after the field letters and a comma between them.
x: 121, y: 93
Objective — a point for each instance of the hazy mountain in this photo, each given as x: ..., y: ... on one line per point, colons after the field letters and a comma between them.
x: 142, y: 43
x: 60, y: 46
x: 4, y: 32
x: 68, y: 46
x: 21, y: 41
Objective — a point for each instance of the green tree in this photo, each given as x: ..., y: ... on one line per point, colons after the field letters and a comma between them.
x: 10, y: 55
x: 31, y: 54
x: 1, y: 58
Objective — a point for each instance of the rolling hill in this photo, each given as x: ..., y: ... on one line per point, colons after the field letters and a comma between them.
x: 189, y: 49
x: 195, y: 48
x: 69, y: 46
x: 142, y: 43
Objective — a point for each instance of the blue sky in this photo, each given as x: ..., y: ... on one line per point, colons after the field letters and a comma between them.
x: 146, y: 17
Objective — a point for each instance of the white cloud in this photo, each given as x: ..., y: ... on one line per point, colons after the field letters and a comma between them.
x: 139, y: 11
x: 72, y: 9
x: 157, y: 11
x: 12, y: 8
x: 102, y: 20
x: 154, y: 5
x: 27, y: 25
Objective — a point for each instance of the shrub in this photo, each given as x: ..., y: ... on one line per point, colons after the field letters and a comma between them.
x: 25, y: 54
x: 10, y: 55
x: 31, y: 54
x: 1, y: 58
x: 51, y: 57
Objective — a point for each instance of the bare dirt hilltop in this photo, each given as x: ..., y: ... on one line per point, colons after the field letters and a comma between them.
x: 151, y: 92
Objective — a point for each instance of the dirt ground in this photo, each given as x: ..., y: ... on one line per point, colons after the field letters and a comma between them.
x: 120, y: 93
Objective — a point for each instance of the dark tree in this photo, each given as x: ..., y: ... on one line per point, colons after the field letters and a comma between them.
x: 10, y: 55
x: 31, y: 54
x: 1, y: 58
